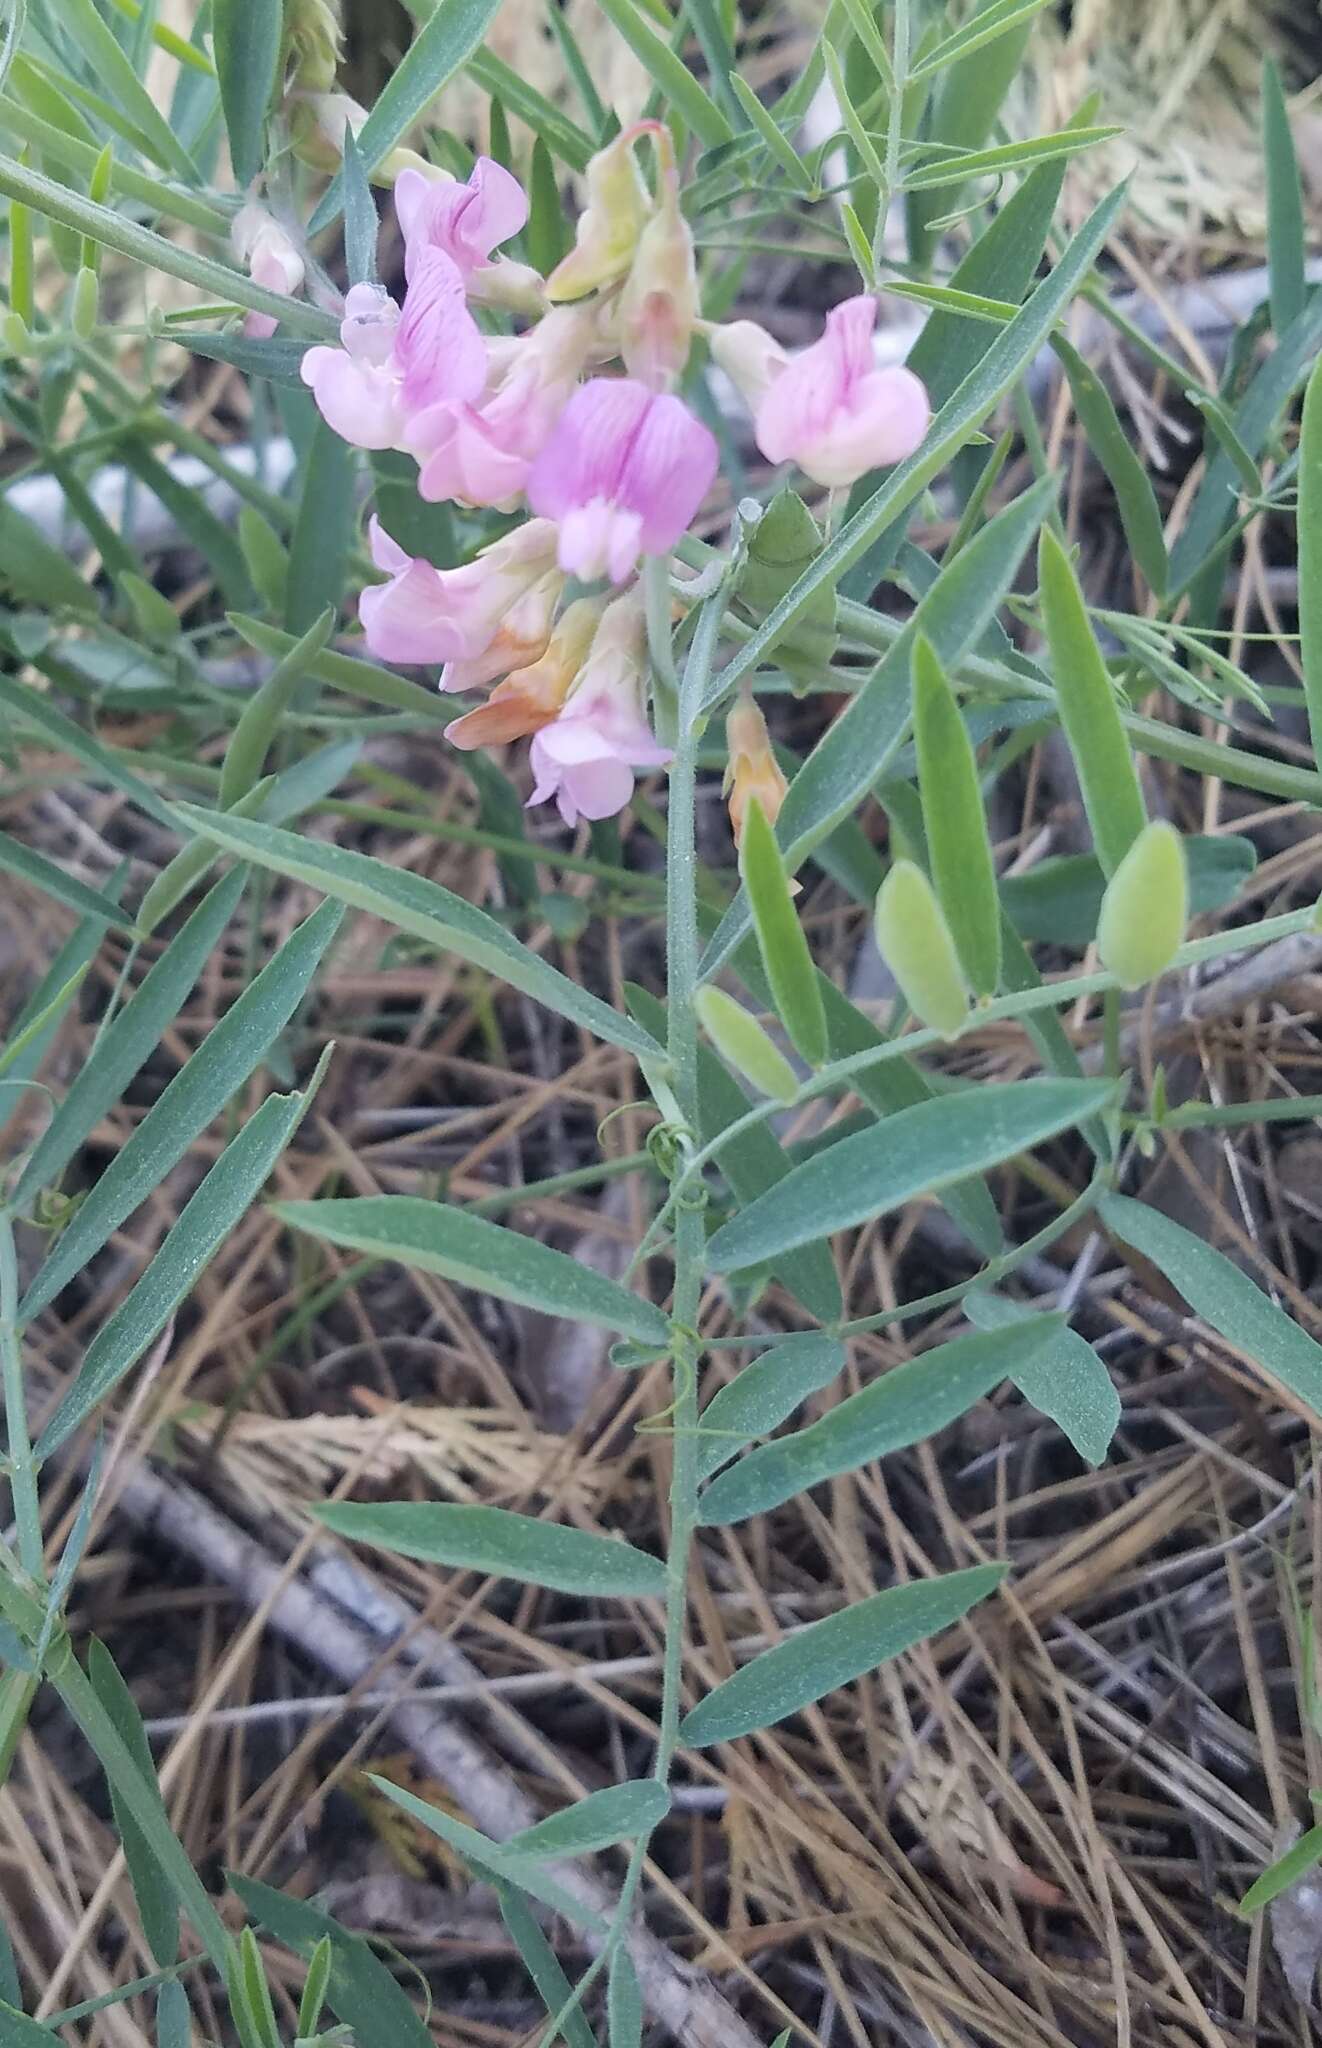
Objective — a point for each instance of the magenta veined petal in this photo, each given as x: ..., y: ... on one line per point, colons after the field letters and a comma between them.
x: 669, y: 472
x: 585, y: 455
x: 438, y: 345
x: 464, y: 222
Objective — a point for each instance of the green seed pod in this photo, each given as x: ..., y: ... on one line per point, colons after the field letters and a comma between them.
x: 1145, y: 908
x: 957, y: 837
x: 915, y: 942
x: 17, y: 334
x: 86, y: 304
x: 740, y: 1040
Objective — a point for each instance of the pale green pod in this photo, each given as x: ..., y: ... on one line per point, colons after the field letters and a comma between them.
x: 741, y: 1041
x: 85, y: 308
x: 1145, y: 908
x: 915, y: 942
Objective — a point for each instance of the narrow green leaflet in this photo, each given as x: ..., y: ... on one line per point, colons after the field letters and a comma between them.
x: 198, y: 1092
x: 36, y: 572
x: 346, y: 672
x: 21, y: 701
x: 360, y: 1990
x: 915, y: 1152
x: 98, y: 44
x: 223, y: 1197
x: 1007, y: 156
x: 323, y: 530
x: 668, y: 71
x: 780, y: 937
x: 1310, y: 554
x: 542, y: 1964
x: 436, y: 1237
x: 563, y: 137
x: 497, y: 1542
x: 488, y: 1857
x: 18, y: 2031
x: 1217, y: 1291
x: 155, y: 1896
x: 1065, y: 1380
x: 906, y: 1405
x: 1270, y: 387
x: 1301, y: 1857
x: 131, y: 1037
x: 1136, y: 501
x: 246, y: 40
x: 441, y: 47
x: 618, y: 1813
x: 1089, y: 709
x: 958, y: 842
x: 764, y: 1395
x: 1286, y: 239
x: 424, y: 908
x: 43, y: 874
x: 833, y: 1652
x: 624, y: 2002
x: 853, y: 752
x: 259, y: 721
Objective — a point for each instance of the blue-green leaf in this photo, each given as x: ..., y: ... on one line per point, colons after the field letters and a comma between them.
x: 1064, y: 1379
x: 436, y: 1237
x: 764, y: 1394
x: 498, y: 1542
x: 915, y: 1152
x: 198, y: 1092
x: 906, y: 1405
x: 833, y: 1652
x: 246, y: 40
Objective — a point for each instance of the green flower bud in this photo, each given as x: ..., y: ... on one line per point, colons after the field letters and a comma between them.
x: 1145, y: 908
x: 86, y: 304
x: 17, y: 335
x: 740, y: 1040
x: 915, y: 942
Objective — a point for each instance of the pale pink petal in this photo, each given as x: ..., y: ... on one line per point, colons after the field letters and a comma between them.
x: 259, y: 326
x: 497, y: 209
x: 360, y: 401
x: 411, y: 619
x: 599, y: 539
x: 884, y: 423
x: 463, y: 222
x: 438, y: 346
x: 584, y: 457
x: 370, y: 323
x: 411, y: 190
x: 599, y: 789
x: 387, y: 554
x: 276, y: 264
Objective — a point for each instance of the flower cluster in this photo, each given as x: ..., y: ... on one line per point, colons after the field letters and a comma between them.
x: 576, y: 421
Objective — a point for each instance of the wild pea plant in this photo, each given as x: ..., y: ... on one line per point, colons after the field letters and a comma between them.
x: 560, y: 526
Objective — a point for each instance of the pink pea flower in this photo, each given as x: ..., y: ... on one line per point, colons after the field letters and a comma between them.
x: 467, y: 223
x: 394, y: 362
x: 480, y: 453
x: 483, y: 619
x: 586, y: 757
x: 272, y: 260
x: 623, y: 474
x: 830, y: 409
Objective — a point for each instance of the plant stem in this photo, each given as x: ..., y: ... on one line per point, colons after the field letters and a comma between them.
x: 22, y: 1471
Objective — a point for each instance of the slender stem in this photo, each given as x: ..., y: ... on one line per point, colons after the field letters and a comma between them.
x: 22, y: 1471
x: 682, y: 950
